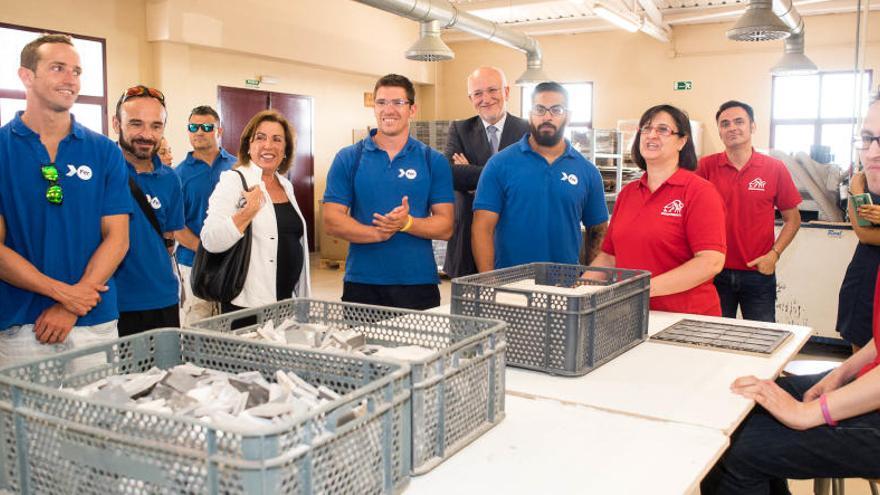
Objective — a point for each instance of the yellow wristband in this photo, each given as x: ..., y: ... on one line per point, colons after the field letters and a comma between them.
x: 408, y: 225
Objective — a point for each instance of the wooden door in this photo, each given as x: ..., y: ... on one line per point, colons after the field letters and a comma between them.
x: 237, y: 106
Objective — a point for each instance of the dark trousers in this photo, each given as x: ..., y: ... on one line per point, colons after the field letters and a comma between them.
x: 133, y: 322
x: 241, y: 322
x: 763, y: 452
x: 399, y: 296
x: 753, y: 292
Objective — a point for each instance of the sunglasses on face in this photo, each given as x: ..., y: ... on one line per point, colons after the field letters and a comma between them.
x: 141, y: 91
x: 205, y: 127
x: 54, y: 194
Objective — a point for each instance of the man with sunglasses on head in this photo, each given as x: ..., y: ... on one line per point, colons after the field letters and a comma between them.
x: 64, y: 213
x: 147, y: 278
x: 753, y: 186
x: 199, y: 173
x: 533, y: 196
x: 389, y: 196
x: 471, y: 143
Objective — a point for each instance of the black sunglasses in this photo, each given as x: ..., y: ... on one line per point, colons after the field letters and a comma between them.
x: 204, y: 127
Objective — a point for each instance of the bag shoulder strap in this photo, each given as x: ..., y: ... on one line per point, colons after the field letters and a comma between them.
x: 243, y: 182
x: 141, y: 199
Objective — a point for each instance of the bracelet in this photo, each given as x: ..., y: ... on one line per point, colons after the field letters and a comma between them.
x: 778, y: 254
x: 823, y: 404
x: 408, y: 225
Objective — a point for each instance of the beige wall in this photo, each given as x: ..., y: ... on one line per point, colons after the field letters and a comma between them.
x: 631, y: 72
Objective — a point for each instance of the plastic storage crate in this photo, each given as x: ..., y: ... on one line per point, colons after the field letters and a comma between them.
x: 457, y: 392
x: 57, y: 442
x: 556, y: 333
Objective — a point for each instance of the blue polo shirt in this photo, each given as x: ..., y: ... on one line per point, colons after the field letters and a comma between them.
x: 59, y: 240
x: 378, y: 185
x: 197, y: 180
x: 146, y: 278
x: 541, y: 207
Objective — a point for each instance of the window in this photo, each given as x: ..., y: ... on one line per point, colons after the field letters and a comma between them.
x: 580, y: 105
x: 818, y: 110
x: 91, y: 105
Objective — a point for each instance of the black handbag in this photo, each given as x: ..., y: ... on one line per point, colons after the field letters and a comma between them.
x: 220, y: 276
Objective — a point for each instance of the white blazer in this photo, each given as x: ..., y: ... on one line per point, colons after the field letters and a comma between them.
x: 219, y: 233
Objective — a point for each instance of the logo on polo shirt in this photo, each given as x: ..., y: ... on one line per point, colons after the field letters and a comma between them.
x: 758, y: 184
x: 83, y: 172
x: 673, y: 209
x: 571, y: 178
x: 154, y: 202
x: 408, y: 173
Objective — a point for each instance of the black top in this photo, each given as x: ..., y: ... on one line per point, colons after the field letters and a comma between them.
x: 855, y: 308
x: 290, y: 251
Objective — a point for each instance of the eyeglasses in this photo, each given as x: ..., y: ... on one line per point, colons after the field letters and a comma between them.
x: 398, y: 103
x: 555, y: 110
x: 139, y: 91
x: 864, y: 141
x: 661, y: 130
x: 205, y: 127
x: 489, y: 91
x: 54, y: 194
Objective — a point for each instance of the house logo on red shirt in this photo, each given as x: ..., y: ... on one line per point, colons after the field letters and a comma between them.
x: 673, y: 209
x: 758, y: 184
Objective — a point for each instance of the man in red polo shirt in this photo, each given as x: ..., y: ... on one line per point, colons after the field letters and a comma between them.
x: 752, y: 186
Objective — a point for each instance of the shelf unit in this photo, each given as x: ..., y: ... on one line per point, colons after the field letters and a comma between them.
x: 601, y: 147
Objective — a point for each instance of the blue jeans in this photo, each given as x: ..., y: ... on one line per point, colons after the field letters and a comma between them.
x: 752, y: 291
x: 763, y: 452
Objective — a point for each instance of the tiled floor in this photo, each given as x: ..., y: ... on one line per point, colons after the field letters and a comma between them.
x: 327, y: 285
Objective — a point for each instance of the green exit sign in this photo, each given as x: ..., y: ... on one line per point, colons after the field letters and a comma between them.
x: 684, y: 85
x: 252, y: 83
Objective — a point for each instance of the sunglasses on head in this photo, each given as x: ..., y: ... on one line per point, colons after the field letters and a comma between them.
x: 204, y: 127
x: 54, y: 194
x: 140, y: 91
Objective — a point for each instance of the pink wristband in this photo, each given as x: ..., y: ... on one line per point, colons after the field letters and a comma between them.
x: 823, y: 404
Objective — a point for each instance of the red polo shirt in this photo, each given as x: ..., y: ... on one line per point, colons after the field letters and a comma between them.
x: 750, y: 196
x: 661, y: 231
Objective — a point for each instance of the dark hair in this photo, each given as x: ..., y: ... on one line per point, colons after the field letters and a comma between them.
x: 397, y: 81
x: 733, y: 104
x: 204, y: 110
x: 251, y: 128
x: 550, y: 87
x: 29, y: 55
x: 687, y: 157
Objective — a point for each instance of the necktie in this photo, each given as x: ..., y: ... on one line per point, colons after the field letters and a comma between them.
x: 493, y: 138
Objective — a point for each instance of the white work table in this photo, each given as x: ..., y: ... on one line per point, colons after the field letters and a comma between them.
x: 543, y: 446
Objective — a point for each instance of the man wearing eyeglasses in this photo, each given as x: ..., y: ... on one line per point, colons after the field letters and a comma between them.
x: 64, y: 212
x: 470, y: 144
x: 533, y: 197
x: 389, y: 196
x: 147, y: 279
x: 753, y: 186
x: 199, y: 173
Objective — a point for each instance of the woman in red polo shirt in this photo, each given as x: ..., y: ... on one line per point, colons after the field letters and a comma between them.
x: 670, y: 222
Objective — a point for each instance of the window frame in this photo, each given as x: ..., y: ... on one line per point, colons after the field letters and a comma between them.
x: 16, y: 94
x: 818, y: 122
x: 588, y: 124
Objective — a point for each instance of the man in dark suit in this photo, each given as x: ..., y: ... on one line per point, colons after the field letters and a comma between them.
x: 471, y: 143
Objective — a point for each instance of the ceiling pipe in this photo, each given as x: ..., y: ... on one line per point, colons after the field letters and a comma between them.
x: 429, y: 47
x: 450, y: 17
x: 794, y: 61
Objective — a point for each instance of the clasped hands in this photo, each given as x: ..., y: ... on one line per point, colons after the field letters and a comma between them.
x: 392, y: 222
x: 55, y: 322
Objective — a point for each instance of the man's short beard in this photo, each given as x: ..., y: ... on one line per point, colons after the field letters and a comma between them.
x: 547, y: 140
x: 127, y: 146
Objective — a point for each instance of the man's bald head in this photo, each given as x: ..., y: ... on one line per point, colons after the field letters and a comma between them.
x: 488, y: 91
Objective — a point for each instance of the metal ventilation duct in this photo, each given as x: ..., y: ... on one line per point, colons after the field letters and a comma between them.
x: 794, y: 62
x: 759, y: 23
x: 449, y: 16
x: 429, y: 47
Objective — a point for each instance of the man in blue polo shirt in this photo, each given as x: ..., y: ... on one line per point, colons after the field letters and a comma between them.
x: 388, y: 196
x: 147, y: 278
x: 64, y: 212
x: 199, y: 173
x: 533, y: 196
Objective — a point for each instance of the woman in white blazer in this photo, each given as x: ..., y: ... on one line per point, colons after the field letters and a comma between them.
x: 279, y: 263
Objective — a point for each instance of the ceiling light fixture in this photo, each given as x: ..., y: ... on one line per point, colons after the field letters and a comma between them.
x: 759, y: 23
x: 626, y: 21
x: 429, y: 47
x: 794, y: 62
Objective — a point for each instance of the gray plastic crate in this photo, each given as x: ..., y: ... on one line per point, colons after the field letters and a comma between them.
x: 457, y: 392
x: 57, y: 442
x: 556, y: 333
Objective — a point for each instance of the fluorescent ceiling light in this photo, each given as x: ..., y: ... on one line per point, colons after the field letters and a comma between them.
x: 629, y: 22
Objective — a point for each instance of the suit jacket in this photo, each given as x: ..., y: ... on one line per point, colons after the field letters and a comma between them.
x: 469, y: 137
